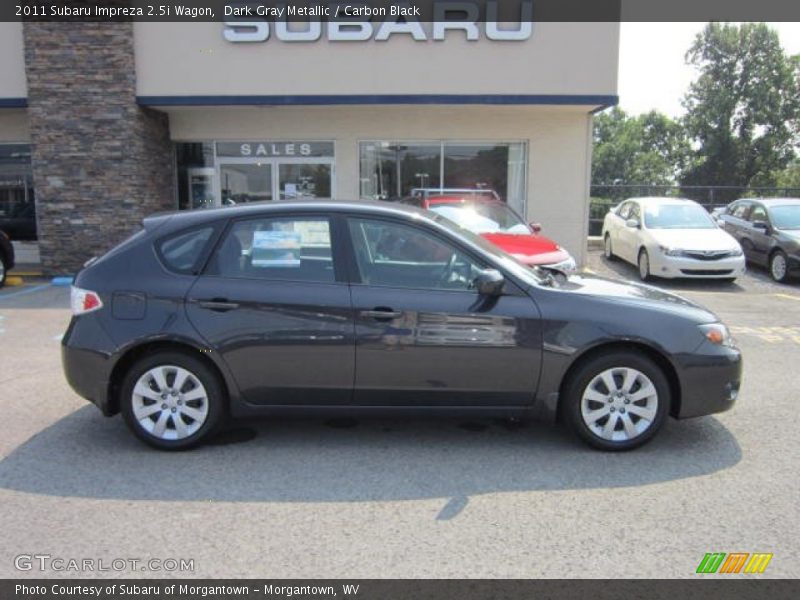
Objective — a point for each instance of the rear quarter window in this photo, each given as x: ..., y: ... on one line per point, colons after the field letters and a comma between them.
x: 182, y: 251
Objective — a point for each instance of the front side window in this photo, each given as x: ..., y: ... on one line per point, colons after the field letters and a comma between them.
x: 624, y: 210
x: 283, y: 249
x: 396, y: 255
x: 181, y: 252
x: 758, y: 213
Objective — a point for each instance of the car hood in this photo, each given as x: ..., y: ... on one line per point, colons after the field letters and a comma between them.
x: 792, y: 234
x: 695, y: 239
x: 521, y: 244
x: 629, y: 292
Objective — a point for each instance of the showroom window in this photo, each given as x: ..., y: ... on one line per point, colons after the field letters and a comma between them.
x: 17, y: 202
x: 391, y: 170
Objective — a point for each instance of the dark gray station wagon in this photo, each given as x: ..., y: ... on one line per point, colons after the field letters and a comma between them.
x: 349, y: 308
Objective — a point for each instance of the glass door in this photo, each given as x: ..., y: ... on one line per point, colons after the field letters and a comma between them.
x: 305, y: 180
x: 242, y: 182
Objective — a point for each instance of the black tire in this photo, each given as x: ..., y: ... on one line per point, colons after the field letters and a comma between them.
x: 779, y: 255
x: 215, y: 398
x: 608, y: 250
x: 3, y: 269
x: 591, y: 368
x: 644, y: 274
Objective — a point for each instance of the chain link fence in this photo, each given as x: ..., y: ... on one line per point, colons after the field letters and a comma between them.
x: 604, y: 197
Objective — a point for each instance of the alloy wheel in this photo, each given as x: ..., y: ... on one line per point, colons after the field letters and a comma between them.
x: 777, y: 267
x: 619, y: 404
x: 169, y: 402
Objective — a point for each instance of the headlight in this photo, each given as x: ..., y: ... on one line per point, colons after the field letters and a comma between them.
x: 670, y: 251
x: 567, y: 265
x: 717, y: 334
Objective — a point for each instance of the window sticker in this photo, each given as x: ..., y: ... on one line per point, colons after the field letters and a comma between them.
x: 276, y: 249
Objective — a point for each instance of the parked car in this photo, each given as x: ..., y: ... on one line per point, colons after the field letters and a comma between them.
x: 342, y: 308
x: 6, y: 257
x: 498, y: 223
x: 669, y: 238
x: 768, y: 230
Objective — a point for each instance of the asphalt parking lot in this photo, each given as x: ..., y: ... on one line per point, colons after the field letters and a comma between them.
x: 412, y: 498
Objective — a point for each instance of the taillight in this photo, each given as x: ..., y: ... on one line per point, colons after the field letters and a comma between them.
x: 84, y: 301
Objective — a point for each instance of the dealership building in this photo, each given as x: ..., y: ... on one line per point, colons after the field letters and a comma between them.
x: 104, y: 123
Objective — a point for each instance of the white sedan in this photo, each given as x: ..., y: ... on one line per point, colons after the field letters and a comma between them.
x: 671, y: 237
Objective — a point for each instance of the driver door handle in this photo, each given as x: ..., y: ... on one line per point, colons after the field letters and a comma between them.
x: 381, y: 314
x: 218, y: 305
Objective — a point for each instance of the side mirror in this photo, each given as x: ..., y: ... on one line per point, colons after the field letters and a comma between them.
x: 489, y: 282
x: 762, y: 225
x: 535, y: 227
x: 632, y: 223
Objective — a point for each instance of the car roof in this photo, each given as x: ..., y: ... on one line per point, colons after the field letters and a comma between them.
x: 660, y: 200
x: 771, y: 201
x: 189, y: 218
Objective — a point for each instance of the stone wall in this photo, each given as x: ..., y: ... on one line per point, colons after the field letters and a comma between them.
x: 100, y: 161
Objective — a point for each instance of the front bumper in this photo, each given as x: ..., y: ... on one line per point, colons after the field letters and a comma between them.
x: 710, y: 380
x: 665, y: 266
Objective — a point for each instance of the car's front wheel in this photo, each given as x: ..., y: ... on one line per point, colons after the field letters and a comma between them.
x: 3, y: 269
x: 608, y: 249
x: 172, y: 401
x: 644, y: 265
x: 779, y: 266
x: 617, y: 401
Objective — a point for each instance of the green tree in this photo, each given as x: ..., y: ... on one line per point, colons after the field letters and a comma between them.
x: 742, y: 111
x: 649, y: 149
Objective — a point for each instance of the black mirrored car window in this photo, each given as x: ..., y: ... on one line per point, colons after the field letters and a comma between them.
x: 285, y: 249
x: 395, y: 255
x: 181, y: 252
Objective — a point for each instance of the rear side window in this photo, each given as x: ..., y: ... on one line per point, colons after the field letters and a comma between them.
x: 277, y: 249
x: 182, y: 252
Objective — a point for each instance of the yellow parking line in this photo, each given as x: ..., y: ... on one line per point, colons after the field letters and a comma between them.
x: 788, y: 296
x: 590, y: 271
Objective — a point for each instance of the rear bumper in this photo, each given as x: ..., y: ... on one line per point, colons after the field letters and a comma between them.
x: 709, y: 382
x: 88, y: 371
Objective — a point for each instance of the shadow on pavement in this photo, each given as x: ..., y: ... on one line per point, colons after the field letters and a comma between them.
x: 86, y: 455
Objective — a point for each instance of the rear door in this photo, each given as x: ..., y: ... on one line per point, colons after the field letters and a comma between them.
x: 759, y: 237
x: 274, y: 303
x: 424, y: 336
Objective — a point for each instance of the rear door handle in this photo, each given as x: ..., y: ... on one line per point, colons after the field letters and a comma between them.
x: 381, y: 314
x: 218, y: 305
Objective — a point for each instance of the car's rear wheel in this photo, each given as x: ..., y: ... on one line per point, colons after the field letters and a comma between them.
x: 617, y: 401
x: 172, y: 401
x: 608, y: 250
x: 779, y: 266
x: 644, y: 265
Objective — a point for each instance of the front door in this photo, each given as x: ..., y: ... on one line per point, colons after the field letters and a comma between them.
x: 424, y: 337
x: 277, y: 309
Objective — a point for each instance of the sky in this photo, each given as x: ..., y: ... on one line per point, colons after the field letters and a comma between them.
x: 652, y: 70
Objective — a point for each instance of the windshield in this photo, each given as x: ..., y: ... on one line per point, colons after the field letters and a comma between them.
x: 786, y: 216
x: 677, y: 216
x: 505, y: 260
x: 482, y: 217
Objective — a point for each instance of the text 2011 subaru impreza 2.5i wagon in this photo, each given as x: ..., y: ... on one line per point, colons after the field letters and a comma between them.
x: 356, y: 307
